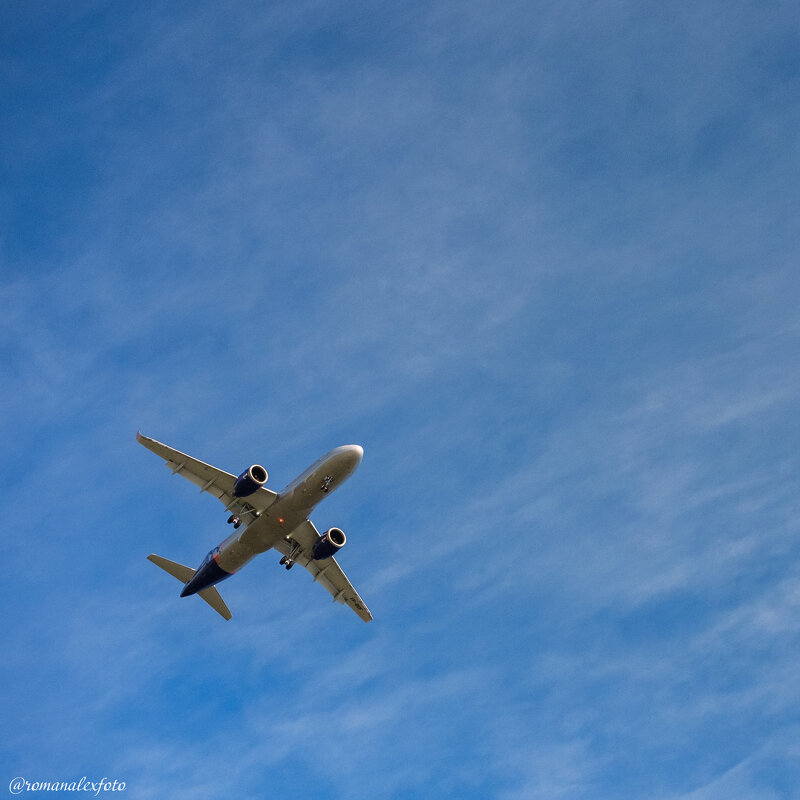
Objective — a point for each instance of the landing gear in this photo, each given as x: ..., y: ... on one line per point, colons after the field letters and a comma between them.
x: 288, y: 560
x: 234, y: 520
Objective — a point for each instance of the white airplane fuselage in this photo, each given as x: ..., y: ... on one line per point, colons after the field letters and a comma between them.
x: 291, y: 508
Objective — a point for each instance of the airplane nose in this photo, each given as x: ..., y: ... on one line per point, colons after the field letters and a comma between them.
x: 348, y: 456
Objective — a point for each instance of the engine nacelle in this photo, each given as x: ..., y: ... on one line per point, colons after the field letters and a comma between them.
x: 329, y: 543
x: 251, y: 480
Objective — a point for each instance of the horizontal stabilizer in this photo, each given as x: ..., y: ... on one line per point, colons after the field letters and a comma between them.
x: 212, y: 597
x: 182, y: 573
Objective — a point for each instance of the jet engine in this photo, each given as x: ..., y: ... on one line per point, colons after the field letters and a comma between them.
x: 251, y: 480
x: 329, y: 543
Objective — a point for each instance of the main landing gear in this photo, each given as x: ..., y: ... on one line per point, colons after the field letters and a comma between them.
x: 288, y: 560
x: 235, y: 521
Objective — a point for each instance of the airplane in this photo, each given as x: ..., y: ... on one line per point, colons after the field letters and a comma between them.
x: 271, y: 520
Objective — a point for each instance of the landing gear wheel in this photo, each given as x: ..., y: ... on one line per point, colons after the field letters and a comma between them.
x: 289, y: 564
x: 237, y: 523
x: 283, y: 560
x: 231, y: 519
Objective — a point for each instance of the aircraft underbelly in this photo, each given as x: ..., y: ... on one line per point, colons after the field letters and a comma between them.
x: 277, y: 520
x: 292, y: 508
x: 234, y: 555
x: 240, y: 548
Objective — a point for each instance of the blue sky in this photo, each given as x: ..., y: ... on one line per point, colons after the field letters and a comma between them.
x: 540, y: 260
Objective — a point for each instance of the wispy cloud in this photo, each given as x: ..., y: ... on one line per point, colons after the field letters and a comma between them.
x: 539, y: 262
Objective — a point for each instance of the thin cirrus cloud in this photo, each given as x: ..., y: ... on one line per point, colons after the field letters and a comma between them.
x: 539, y: 262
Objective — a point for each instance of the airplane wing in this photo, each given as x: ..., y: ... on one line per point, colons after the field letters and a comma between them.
x: 325, y: 571
x: 212, y: 480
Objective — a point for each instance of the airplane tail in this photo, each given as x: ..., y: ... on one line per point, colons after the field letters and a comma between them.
x: 184, y: 574
x: 179, y: 571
